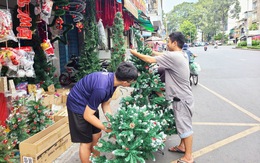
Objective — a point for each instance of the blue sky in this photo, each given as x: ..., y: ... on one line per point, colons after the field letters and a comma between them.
x: 168, y: 4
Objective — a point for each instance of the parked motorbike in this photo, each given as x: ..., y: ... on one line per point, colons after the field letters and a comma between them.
x: 71, y: 69
x: 104, y: 65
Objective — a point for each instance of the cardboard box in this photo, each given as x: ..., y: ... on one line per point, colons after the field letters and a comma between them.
x: 47, y: 145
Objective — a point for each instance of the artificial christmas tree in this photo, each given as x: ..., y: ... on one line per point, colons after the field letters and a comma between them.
x: 7, y: 151
x: 140, y: 126
x: 118, y: 49
x: 137, y: 134
x: 38, y: 117
x: 16, y: 124
x: 89, y: 61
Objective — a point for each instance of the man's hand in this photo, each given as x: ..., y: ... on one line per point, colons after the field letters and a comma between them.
x: 133, y: 51
x: 107, y: 130
x: 145, y: 58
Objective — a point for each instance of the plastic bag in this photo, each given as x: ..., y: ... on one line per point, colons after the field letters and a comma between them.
x: 19, y: 62
x: 194, y: 68
x: 102, y: 38
x: 46, y: 10
x: 6, y: 26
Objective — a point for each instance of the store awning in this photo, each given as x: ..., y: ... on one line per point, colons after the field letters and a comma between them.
x: 144, y: 21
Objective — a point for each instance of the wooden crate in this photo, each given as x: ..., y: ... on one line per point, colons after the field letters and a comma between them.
x: 60, y: 114
x: 47, y: 145
x: 3, y: 84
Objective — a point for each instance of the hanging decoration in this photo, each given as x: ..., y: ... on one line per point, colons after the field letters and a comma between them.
x: 19, y: 61
x: 46, y: 10
x: 59, y: 21
x: 47, y: 47
x: 102, y: 38
x: 24, y: 31
x: 77, y: 8
x: 59, y: 8
x: 80, y: 26
x: 6, y: 26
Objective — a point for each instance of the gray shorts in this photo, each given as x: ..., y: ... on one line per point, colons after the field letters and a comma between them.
x: 182, y: 114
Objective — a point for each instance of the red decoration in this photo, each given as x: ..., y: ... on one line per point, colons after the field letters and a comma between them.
x: 79, y: 25
x: 23, y: 30
x: 59, y: 21
x: 5, y: 141
x: 22, y: 3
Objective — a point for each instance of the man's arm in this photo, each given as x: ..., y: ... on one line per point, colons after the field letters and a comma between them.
x: 106, y: 108
x: 145, y: 58
x: 91, y: 118
x: 155, y: 53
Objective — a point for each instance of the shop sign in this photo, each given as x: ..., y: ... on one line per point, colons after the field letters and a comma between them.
x: 23, y: 29
x: 131, y: 8
x: 140, y: 5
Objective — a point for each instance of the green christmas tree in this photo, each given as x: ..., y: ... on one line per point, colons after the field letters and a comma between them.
x: 137, y: 135
x: 144, y: 119
x: 16, y: 124
x: 38, y: 116
x: 7, y: 151
x: 89, y: 61
x: 148, y: 86
x: 118, y: 50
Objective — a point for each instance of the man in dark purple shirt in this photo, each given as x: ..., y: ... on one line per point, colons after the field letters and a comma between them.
x: 83, y: 101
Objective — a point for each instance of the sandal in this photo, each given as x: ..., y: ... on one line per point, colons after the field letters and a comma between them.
x: 182, y: 161
x: 175, y: 149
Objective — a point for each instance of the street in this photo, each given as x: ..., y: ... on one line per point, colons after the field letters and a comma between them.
x: 226, y: 119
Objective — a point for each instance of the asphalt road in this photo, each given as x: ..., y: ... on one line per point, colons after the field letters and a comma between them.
x: 226, y: 119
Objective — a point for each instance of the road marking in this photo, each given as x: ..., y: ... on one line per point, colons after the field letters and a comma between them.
x: 224, y: 142
x: 231, y: 103
x: 225, y: 124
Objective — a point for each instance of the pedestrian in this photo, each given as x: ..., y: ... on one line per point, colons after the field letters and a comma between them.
x: 83, y: 101
x: 156, y: 47
x: 178, y: 90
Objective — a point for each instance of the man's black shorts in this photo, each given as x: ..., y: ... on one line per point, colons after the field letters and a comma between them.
x: 80, y: 130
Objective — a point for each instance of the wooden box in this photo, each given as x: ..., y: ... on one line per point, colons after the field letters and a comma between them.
x: 3, y: 84
x: 60, y: 114
x: 47, y: 145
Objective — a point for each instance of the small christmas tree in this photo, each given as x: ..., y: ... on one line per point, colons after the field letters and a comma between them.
x: 118, y: 50
x: 38, y: 117
x: 7, y: 151
x: 89, y: 61
x: 16, y: 125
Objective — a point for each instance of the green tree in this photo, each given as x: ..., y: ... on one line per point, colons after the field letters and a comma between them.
x: 118, y: 49
x: 7, y: 151
x: 253, y: 26
x: 38, y: 116
x: 224, y: 9
x: 189, y: 30
x: 89, y: 61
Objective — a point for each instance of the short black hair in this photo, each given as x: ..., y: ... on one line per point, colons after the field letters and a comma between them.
x: 179, y: 37
x: 126, y: 71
